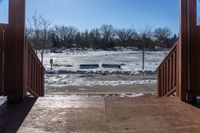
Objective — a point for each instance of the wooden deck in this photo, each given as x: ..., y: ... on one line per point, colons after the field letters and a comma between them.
x: 100, y: 115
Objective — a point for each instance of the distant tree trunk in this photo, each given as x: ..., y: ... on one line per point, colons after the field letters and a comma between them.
x: 42, y: 56
x: 143, y: 56
x: 145, y: 37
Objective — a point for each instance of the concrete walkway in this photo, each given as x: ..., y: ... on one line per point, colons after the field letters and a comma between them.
x: 81, y: 114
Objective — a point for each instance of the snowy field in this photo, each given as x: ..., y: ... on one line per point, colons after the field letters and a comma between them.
x: 67, y: 71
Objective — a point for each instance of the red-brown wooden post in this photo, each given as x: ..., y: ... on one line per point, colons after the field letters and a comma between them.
x: 183, y: 51
x: 189, y: 55
x: 15, y: 75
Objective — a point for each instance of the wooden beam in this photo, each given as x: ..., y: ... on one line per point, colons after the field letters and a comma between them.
x: 15, y: 81
x: 32, y: 92
x: 171, y: 92
x: 183, y: 51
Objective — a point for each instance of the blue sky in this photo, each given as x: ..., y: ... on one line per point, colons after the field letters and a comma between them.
x: 4, y: 11
x: 198, y: 11
x: 87, y: 14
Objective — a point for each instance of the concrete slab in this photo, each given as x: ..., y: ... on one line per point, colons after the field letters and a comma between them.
x: 82, y: 114
x: 151, y: 115
x: 67, y: 114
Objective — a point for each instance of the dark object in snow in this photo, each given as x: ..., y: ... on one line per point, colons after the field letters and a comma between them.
x: 57, y: 65
x: 145, y: 72
x: 68, y: 65
x: 60, y: 65
x: 149, y: 72
x: 50, y: 72
x: 111, y: 66
x: 56, y: 51
x: 89, y: 66
x: 51, y: 63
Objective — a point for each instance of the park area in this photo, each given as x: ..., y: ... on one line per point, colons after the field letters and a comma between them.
x: 89, y: 72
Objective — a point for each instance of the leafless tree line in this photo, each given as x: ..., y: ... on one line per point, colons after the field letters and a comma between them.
x: 43, y: 35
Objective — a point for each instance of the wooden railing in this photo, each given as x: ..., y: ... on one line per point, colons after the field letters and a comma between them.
x: 35, y: 72
x: 167, y: 73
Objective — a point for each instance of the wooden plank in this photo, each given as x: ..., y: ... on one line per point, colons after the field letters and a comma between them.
x: 42, y: 84
x: 30, y: 90
x: 170, y: 73
x: 174, y: 70
x: 170, y: 92
x: 164, y: 79
x: 183, y: 54
x: 198, y: 63
x: 1, y: 60
x: 167, y: 76
x: 177, y: 63
x: 192, y: 53
x: 159, y: 82
x: 161, y: 85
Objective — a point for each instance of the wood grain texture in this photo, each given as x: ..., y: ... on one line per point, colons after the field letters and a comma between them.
x: 167, y: 73
x: 1, y: 60
x: 190, y: 55
x: 35, y: 73
x: 180, y: 68
x: 20, y: 68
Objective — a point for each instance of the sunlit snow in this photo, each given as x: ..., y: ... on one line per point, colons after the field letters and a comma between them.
x: 67, y: 72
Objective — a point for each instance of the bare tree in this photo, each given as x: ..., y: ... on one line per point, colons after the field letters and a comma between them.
x: 28, y: 32
x: 145, y: 41
x: 108, y: 34
x: 67, y: 35
x: 105, y: 37
x: 95, y: 38
x: 39, y: 39
x: 125, y: 35
x: 162, y: 36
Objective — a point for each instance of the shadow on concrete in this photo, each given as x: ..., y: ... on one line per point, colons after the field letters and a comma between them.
x: 195, y: 105
x: 13, y: 115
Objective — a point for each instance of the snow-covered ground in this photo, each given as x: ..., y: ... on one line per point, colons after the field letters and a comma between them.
x: 130, y: 61
x: 67, y: 72
x: 86, y: 81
